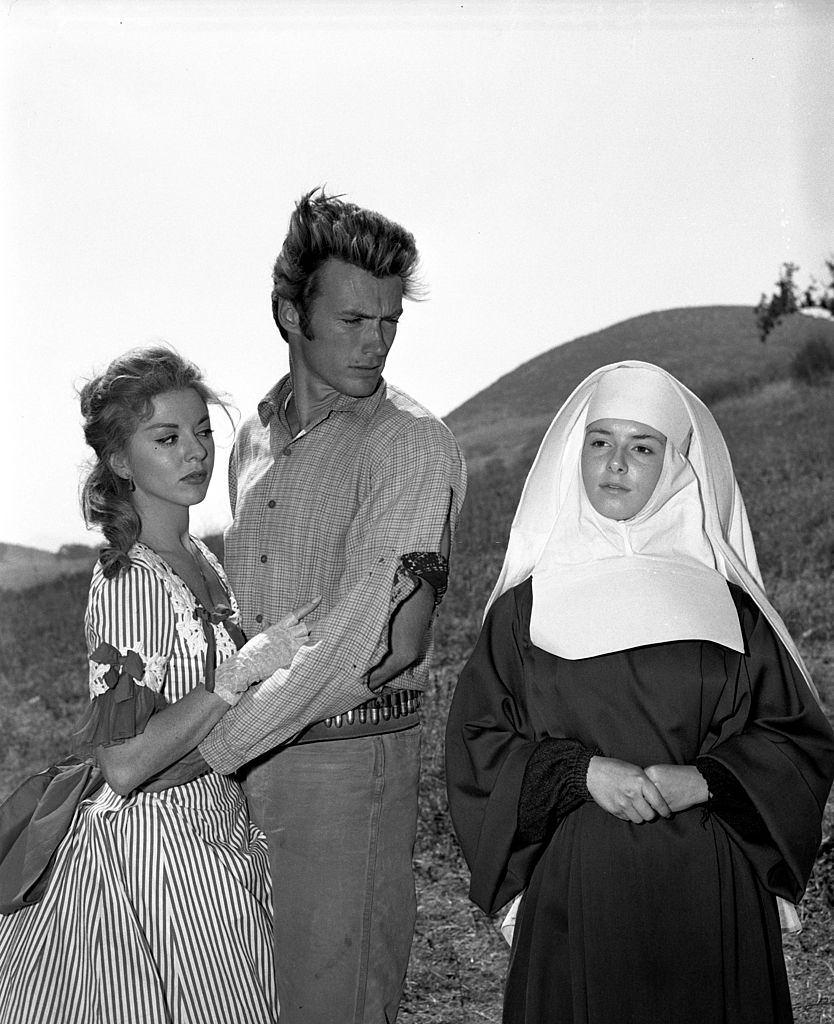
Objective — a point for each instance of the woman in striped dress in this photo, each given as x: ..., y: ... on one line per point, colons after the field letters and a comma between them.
x: 158, y: 905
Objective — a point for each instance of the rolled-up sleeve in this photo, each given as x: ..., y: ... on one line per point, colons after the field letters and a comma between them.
x: 410, y: 493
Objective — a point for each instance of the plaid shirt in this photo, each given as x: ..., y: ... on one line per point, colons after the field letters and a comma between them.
x: 331, y: 511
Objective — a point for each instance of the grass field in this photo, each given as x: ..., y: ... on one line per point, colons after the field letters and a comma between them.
x: 780, y: 434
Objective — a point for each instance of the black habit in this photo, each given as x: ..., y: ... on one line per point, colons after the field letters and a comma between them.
x: 674, y: 920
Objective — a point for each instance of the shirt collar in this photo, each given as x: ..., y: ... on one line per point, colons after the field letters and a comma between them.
x: 275, y: 399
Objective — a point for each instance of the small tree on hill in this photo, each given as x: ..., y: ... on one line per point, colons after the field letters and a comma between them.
x: 787, y: 298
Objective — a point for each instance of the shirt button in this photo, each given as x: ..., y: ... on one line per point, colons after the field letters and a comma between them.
x: 259, y: 618
x: 263, y: 558
x: 271, y: 503
x: 288, y: 450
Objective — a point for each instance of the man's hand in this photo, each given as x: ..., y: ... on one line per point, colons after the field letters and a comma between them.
x: 682, y: 785
x: 625, y: 790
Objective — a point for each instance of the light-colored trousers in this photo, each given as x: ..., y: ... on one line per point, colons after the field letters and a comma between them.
x: 341, y: 821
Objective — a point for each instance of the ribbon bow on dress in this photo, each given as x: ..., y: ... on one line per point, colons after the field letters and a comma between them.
x: 221, y: 614
x: 124, y: 668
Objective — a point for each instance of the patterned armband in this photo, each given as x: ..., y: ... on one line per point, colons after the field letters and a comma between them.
x: 430, y: 567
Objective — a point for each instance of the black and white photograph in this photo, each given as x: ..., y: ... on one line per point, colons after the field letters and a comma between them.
x: 416, y: 553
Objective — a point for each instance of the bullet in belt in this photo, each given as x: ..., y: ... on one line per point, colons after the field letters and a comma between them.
x: 350, y: 716
x: 396, y: 707
x: 363, y: 715
x: 328, y: 722
x: 338, y: 721
x: 374, y: 714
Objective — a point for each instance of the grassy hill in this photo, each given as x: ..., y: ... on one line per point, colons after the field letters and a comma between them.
x: 780, y: 433
x: 714, y: 350
x: 22, y: 567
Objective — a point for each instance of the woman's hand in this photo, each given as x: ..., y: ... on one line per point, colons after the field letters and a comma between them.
x: 682, y: 785
x: 264, y: 654
x: 625, y: 790
x: 297, y: 632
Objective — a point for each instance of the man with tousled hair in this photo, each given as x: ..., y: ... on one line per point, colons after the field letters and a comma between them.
x: 341, y: 485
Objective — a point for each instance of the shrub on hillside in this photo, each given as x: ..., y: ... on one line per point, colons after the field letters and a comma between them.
x: 787, y: 299
x: 814, y: 362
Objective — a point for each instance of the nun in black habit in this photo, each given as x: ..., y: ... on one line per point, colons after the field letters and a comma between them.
x: 635, y: 748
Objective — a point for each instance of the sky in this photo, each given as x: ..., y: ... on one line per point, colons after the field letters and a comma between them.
x: 562, y: 165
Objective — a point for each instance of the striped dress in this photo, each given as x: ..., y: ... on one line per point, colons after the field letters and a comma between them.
x: 158, y: 909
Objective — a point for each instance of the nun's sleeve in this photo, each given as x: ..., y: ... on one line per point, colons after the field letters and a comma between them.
x: 505, y: 786
x: 775, y: 750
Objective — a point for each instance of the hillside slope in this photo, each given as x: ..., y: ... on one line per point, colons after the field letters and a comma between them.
x: 22, y: 567
x: 780, y: 434
x: 714, y: 350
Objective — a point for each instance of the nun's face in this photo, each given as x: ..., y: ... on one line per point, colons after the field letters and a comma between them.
x: 621, y: 464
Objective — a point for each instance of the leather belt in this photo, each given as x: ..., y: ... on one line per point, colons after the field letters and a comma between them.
x: 391, y: 711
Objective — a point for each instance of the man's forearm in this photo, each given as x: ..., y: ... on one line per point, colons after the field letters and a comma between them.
x: 244, y: 731
x: 372, y: 635
x: 409, y: 624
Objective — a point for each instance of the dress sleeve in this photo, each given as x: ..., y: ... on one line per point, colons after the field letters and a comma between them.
x: 411, y: 494
x: 130, y: 628
x: 489, y: 742
x: 774, y: 754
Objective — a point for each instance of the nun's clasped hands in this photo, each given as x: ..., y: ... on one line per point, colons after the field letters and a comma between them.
x: 625, y: 790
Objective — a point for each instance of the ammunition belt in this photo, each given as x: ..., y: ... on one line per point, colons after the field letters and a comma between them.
x: 391, y: 711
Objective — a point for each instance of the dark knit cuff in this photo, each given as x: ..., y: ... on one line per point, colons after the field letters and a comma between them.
x: 730, y: 802
x: 554, y: 784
